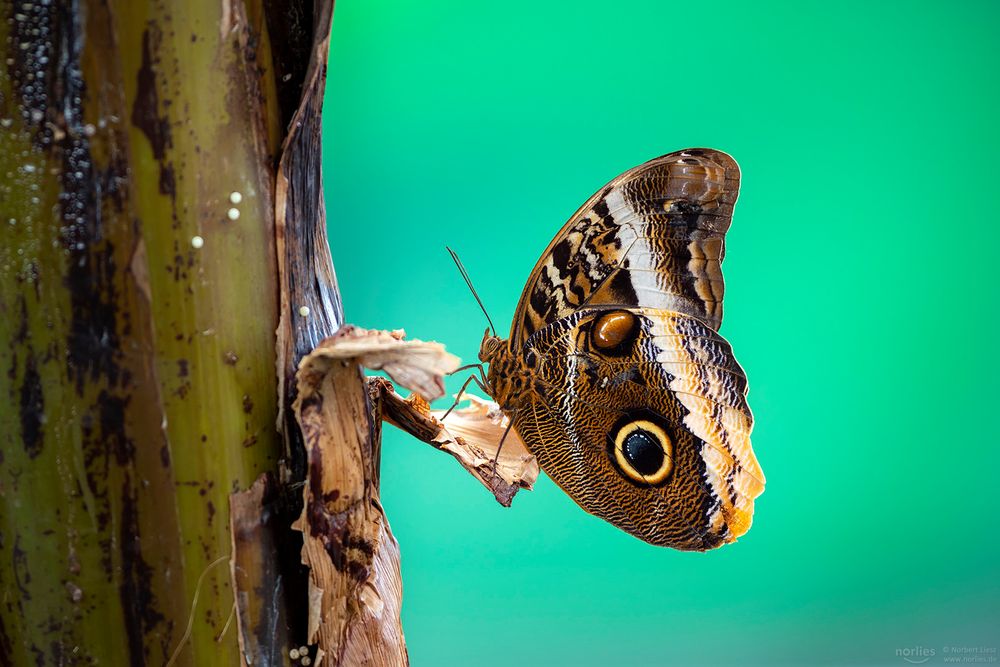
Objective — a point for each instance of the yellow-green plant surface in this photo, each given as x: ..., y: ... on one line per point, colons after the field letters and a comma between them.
x: 138, y: 306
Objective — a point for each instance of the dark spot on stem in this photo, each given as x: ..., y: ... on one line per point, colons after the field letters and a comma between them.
x: 6, y: 646
x: 112, y: 419
x: 145, y: 110
x: 32, y: 407
x: 22, y: 574
x: 168, y: 182
x: 135, y: 590
x: 21, y: 333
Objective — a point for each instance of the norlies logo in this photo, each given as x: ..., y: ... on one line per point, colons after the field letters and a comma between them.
x: 915, y: 655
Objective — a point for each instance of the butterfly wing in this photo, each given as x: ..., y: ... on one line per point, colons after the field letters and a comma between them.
x: 653, y: 237
x: 649, y: 428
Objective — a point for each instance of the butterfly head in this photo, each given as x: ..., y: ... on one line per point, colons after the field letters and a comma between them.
x: 509, y: 379
x: 492, y: 348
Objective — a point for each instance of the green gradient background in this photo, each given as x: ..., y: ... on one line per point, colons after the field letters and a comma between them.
x: 861, y: 299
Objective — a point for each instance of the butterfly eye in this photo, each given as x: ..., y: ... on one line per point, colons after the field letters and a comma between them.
x: 644, y: 451
x: 614, y: 332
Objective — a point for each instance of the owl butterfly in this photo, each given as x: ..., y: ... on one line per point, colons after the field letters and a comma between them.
x: 614, y: 374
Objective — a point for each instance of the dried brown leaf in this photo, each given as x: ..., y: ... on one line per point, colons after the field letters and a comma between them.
x: 472, y: 435
x: 414, y: 364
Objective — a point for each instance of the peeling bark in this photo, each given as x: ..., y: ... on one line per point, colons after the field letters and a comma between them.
x: 354, y: 577
x: 355, y: 585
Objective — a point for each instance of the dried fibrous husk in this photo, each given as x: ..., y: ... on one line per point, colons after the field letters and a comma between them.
x: 472, y: 435
x: 355, y: 588
x: 354, y: 580
x: 414, y: 364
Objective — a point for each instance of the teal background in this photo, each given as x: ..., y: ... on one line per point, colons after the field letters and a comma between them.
x: 861, y: 299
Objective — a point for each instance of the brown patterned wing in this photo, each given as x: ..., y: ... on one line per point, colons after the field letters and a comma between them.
x: 653, y: 237
x: 640, y: 415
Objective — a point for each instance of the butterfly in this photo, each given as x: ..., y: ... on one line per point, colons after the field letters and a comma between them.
x: 614, y: 374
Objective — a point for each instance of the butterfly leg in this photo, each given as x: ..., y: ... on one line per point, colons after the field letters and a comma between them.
x: 482, y: 373
x: 458, y: 397
x: 510, y: 425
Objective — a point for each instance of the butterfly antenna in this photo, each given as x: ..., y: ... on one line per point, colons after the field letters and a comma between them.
x: 468, y: 282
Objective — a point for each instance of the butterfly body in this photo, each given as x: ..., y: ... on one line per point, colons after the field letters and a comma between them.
x: 615, y: 376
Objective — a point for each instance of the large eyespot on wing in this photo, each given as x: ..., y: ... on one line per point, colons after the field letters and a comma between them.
x: 654, y: 438
x: 642, y: 449
x: 653, y: 237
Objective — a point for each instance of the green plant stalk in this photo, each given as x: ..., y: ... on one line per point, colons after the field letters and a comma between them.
x: 139, y: 379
